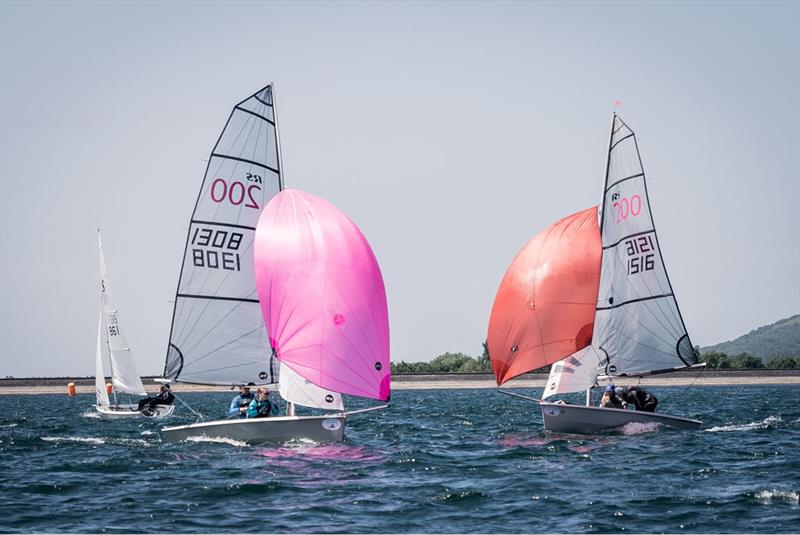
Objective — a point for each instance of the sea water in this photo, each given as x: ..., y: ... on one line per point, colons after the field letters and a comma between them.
x: 450, y: 461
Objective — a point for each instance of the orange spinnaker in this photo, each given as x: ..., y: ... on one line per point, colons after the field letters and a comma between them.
x: 544, y: 309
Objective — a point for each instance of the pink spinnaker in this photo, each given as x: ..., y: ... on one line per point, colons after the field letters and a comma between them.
x: 322, y: 295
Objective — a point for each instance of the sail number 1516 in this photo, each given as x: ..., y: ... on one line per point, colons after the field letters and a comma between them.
x: 640, y: 252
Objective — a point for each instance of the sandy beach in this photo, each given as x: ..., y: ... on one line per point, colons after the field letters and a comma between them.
x: 85, y: 385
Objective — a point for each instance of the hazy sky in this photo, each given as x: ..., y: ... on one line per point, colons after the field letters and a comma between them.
x: 451, y: 133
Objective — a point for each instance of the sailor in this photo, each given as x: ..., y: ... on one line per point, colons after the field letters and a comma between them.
x: 164, y: 397
x: 640, y: 398
x: 239, y: 403
x: 610, y: 398
x: 261, y: 406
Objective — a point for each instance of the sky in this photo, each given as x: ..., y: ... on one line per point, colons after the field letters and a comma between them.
x: 450, y: 133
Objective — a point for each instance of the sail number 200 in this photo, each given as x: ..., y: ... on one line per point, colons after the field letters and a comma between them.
x: 236, y: 193
x: 626, y: 207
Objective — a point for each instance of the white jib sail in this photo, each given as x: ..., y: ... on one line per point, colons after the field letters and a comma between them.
x: 638, y: 327
x: 99, y: 374
x: 124, y: 375
x: 300, y: 391
x: 573, y: 374
x: 218, y: 334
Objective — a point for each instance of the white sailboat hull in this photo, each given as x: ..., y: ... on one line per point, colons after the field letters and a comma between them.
x: 127, y: 411
x: 256, y: 431
x: 582, y: 419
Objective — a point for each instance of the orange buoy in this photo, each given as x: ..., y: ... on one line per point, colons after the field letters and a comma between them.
x: 71, y: 389
x: 109, y: 388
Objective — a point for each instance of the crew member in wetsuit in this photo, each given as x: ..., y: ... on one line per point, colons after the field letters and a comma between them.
x: 261, y: 406
x: 610, y: 398
x: 164, y: 397
x: 239, y: 403
x: 640, y: 398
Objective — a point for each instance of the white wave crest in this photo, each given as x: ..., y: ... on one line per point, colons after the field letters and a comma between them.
x: 91, y: 414
x: 6, y: 426
x: 637, y: 428
x: 146, y: 433
x: 768, y: 496
x: 763, y: 424
x: 84, y: 440
x: 219, y: 440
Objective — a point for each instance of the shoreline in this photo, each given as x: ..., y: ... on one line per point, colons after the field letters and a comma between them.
x: 85, y: 385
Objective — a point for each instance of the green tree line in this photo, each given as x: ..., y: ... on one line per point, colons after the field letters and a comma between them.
x: 463, y: 363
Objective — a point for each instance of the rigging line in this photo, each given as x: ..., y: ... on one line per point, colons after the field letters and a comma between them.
x: 669, y: 326
x: 688, y: 387
x: 199, y: 416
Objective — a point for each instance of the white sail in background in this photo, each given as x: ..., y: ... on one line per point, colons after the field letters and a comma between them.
x: 638, y: 328
x: 99, y: 375
x: 124, y: 375
x: 300, y: 391
x: 218, y: 334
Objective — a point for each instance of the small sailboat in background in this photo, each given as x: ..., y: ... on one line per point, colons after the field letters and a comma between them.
x: 218, y: 334
x: 124, y: 375
x: 591, y: 296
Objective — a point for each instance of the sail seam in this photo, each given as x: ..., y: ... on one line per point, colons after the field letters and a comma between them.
x: 620, y: 140
x: 629, y: 236
x: 255, y: 115
x: 621, y: 180
x: 264, y: 102
x: 635, y: 301
x: 244, y: 160
x: 218, y: 224
x: 192, y: 296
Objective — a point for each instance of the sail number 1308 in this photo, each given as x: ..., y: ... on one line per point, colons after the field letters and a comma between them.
x: 223, y: 253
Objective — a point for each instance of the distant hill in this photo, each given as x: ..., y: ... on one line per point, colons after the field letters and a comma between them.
x: 780, y: 339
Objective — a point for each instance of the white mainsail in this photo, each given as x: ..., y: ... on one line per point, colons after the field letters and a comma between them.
x: 218, y: 334
x: 99, y: 374
x: 638, y: 328
x: 298, y: 390
x: 124, y: 376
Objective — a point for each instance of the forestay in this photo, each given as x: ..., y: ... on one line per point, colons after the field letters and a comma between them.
x: 217, y: 334
x: 124, y: 375
x: 322, y: 296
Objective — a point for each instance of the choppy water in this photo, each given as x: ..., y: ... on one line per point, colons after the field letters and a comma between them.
x: 437, y: 461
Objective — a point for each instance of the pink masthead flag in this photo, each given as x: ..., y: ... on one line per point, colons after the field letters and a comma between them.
x: 322, y: 295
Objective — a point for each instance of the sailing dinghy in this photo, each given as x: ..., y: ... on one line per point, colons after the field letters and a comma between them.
x: 591, y: 296
x: 124, y: 376
x: 218, y: 334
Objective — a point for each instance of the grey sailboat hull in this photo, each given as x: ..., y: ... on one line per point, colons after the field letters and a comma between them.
x: 582, y: 419
x: 123, y: 411
x: 256, y: 431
